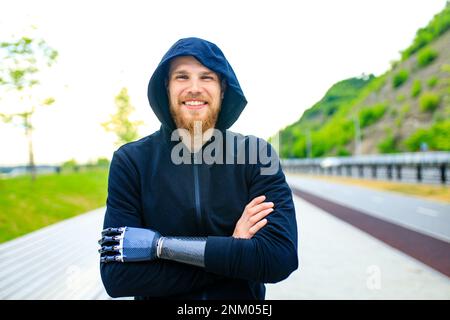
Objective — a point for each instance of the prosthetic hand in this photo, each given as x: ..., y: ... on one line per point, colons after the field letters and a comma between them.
x: 127, y: 244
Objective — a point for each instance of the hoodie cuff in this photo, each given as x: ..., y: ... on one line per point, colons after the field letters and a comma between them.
x: 217, y: 254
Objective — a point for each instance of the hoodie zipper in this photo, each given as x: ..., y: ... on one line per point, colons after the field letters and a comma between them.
x: 198, y: 208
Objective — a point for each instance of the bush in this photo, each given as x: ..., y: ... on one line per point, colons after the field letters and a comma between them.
x: 437, y: 137
x: 432, y: 82
x: 388, y: 145
x: 440, y: 133
x: 70, y: 165
x: 400, y: 78
x: 429, y: 102
x: 416, y: 88
x: 426, y: 56
x: 298, y: 149
x: 342, y: 152
x: 414, y: 142
x: 370, y: 115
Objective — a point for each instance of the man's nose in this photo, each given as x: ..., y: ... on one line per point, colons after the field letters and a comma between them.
x: 195, y: 86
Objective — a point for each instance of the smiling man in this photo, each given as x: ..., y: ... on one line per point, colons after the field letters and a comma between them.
x: 195, y: 93
x: 195, y: 96
x: 194, y: 230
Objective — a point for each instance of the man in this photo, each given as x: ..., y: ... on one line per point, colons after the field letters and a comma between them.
x: 182, y: 223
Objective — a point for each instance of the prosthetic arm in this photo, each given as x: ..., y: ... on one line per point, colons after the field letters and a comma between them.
x: 127, y: 244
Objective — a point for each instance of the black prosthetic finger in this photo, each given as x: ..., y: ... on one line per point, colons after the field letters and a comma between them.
x: 106, y: 259
x: 107, y: 239
x: 108, y: 249
x: 112, y: 231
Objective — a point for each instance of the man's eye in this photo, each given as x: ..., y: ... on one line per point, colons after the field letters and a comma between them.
x: 181, y: 77
x: 207, y: 77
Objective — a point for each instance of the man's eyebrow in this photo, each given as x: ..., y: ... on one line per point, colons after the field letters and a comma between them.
x: 179, y: 71
x: 208, y: 72
x: 185, y: 72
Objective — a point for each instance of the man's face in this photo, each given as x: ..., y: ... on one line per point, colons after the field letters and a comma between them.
x: 194, y: 94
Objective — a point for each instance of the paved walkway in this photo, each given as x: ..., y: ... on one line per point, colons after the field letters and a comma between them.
x: 337, y: 261
x: 57, y: 262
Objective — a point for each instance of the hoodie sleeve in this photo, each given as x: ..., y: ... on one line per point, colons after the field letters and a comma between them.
x: 155, y: 278
x: 271, y: 255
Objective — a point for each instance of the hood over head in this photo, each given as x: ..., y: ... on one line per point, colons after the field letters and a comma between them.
x: 208, y: 54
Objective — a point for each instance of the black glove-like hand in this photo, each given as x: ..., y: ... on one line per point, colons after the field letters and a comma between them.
x: 127, y: 244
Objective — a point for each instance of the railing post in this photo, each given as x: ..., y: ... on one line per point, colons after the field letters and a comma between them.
x: 399, y: 172
x: 443, y: 173
x: 419, y: 172
x: 389, y: 171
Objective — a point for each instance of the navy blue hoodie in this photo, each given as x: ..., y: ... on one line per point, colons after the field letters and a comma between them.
x: 146, y: 189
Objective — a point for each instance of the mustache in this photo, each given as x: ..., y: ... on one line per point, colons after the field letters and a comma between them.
x: 194, y: 96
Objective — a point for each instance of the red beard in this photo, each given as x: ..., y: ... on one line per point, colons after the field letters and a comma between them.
x: 207, y: 122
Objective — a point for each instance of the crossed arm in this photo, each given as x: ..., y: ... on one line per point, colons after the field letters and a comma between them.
x: 256, y: 253
x: 126, y: 244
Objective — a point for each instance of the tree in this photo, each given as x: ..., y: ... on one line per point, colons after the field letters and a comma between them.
x: 20, y: 64
x: 119, y: 123
x: 70, y: 165
x: 103, y: 162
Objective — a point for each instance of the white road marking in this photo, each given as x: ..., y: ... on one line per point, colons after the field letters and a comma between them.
x: 427, y: 211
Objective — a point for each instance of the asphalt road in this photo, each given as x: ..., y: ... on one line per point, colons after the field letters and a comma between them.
x: 427, y: 217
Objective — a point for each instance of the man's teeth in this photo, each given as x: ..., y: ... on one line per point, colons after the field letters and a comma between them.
x: 194, y: 103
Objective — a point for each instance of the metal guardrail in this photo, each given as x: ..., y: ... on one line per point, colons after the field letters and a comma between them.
x: 420, y: 167
x: 15, y: 171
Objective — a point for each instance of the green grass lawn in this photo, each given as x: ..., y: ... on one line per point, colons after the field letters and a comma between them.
x: 26, y: 206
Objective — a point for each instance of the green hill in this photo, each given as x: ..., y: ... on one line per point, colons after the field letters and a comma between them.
x: 405, y: 109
